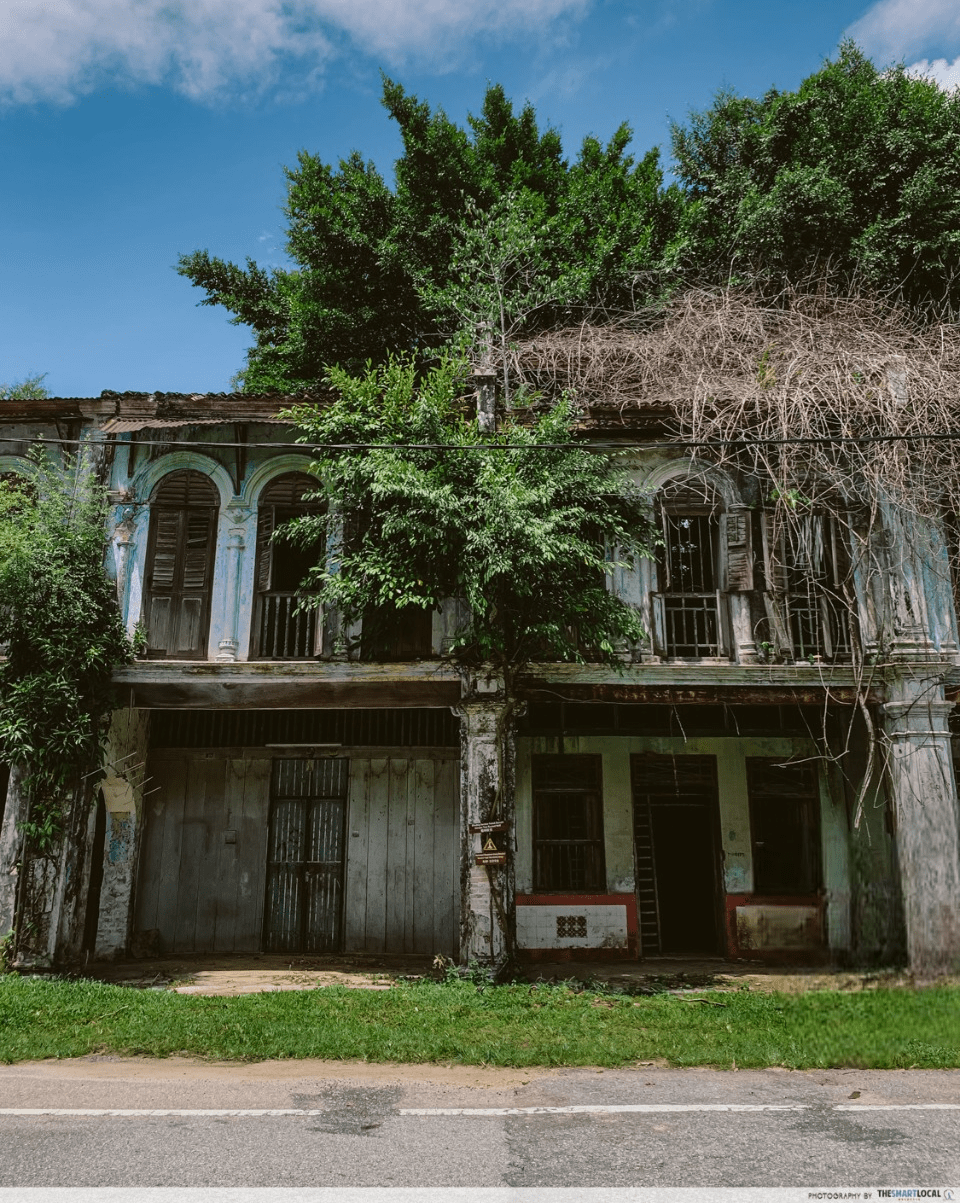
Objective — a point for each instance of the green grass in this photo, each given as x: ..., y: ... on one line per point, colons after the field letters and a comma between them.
x: 516, y: 1025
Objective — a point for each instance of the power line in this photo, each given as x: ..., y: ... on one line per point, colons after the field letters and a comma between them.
x: 606, y: 444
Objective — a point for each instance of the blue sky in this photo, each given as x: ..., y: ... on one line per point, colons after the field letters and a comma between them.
x: 134, y: 130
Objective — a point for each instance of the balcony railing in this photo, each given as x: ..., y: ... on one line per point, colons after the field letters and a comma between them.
x: 687, y: 624
x: 285, y: 631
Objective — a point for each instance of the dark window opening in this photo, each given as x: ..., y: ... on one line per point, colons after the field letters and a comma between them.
x: 285, y: 629
x: 784, y: 826
x: 180, y: 554
x: 568, y: 825
x: 391, y: 635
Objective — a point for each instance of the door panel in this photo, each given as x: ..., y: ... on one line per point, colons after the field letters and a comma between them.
x: 200, y: 884
x: 403, y: 869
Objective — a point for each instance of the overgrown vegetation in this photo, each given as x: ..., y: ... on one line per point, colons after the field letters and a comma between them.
x: 519, y: 1025
x: 489, y: 235
x: 61, y: 632
x: 30, y: 388
x: 519, y: 525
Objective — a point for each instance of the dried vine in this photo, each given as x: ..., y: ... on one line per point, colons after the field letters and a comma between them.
x: 812, y: 402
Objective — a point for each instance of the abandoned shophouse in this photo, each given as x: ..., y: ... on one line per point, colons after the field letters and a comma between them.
x: 270, y: 785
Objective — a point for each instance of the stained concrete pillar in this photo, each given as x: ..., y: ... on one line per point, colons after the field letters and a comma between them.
x: 487, y: 779
x: 10, y: 843
x: 924, y: 797
x: 122, y: 789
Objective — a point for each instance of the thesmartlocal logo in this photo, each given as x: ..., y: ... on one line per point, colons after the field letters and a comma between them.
x: 913, y: 1193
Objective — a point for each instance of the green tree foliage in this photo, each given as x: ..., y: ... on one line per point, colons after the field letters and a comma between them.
x: 380, y: 269
x: 60, y: 628
x: 520, y: 531
x: 30, y: 388
x: 855, y: 174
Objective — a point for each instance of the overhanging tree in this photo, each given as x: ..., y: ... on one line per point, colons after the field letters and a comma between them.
x: 522, y: 525
x: 380, y: 268
x: 854, y: 176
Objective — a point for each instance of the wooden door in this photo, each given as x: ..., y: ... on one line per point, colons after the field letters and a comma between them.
x: 180, y: 563
x: 304, y: 904
x: 403, y: 869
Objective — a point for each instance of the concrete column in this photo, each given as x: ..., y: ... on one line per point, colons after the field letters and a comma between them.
x: 10, y: 841
x: 123, y: 787
x: 487, y: 762
x: 924, y: 797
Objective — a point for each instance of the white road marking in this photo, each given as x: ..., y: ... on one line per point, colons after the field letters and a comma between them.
x: 480, y: 1112
x: 608, y: 1108
x: 139, y: 1112
x: 897, y: 1107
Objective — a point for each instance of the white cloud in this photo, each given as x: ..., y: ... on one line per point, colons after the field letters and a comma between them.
x: 58, y: 49
x: 947, y: 75
x: 895, y: 29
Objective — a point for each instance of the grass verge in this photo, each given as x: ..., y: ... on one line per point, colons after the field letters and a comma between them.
x: 515, y: 1025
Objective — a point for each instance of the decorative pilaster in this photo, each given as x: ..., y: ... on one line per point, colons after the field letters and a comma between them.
x: 229, y: 645
x: 125, y: 547
x: 486, y: 806
x: 924, y: 796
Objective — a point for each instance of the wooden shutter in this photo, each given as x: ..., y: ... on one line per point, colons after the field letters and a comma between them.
x: 775, y: 593
x: 739, y: 551
x: 266, y: 523
x: 180, y: 562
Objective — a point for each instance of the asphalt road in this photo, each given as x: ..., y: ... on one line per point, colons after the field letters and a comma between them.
x: 417, y: 1126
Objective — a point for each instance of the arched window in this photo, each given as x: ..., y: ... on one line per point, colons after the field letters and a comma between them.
x: 282, y: 629
x: 687, y: 611
x: 180, y: 555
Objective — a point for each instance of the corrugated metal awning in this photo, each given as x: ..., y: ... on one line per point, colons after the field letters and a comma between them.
x: 128, y: 425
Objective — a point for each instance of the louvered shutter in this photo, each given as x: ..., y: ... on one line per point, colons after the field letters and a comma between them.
x: 180, y: 566
x: 739, y: 552
x: 265, y: 527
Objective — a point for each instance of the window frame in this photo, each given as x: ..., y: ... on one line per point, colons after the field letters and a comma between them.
x: 160, y: 509
x: 555, y: 777
x: 805, y: 835
x: 276, y: 610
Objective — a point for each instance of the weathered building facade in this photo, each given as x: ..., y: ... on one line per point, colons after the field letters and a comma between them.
x: 272, y: 782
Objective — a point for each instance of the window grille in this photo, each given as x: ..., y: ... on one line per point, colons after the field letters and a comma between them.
x: 408, y: 727
x: 568, y: 824
x: 571, y: 927
x: 686, y: 608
